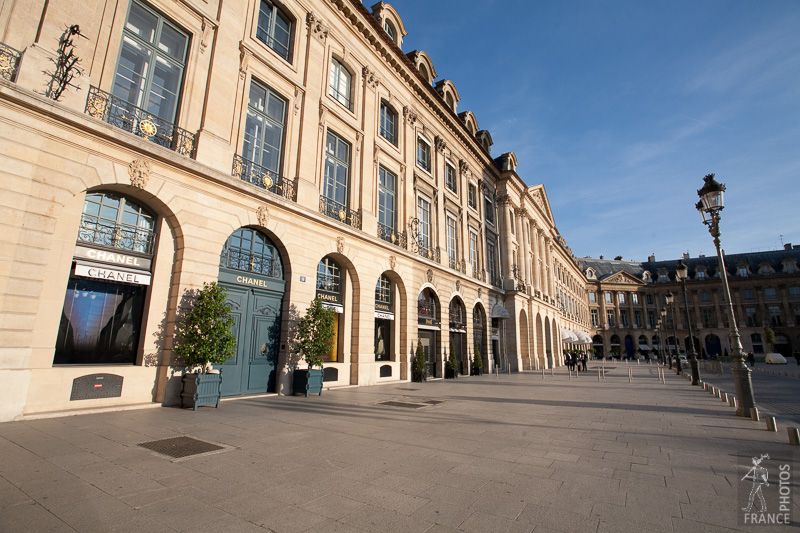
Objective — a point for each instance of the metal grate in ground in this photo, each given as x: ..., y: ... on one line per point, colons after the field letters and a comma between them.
x: 403, y: 404
x: 179, y: 447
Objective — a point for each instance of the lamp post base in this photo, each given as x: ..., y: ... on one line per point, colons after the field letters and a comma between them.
x: 744, y: 388
x: 695, y: 372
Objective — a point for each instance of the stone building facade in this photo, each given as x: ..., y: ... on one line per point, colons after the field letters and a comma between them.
x: 288, y: 150
x: 626, y: 300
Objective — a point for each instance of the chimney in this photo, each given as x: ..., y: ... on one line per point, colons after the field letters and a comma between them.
x: 618, y: 258
x: 601, y: 257
x: 686, y: 255
x: 652, y: 258
x: 787, y: 246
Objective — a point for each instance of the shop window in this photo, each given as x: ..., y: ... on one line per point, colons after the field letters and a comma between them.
x: 384, y: 315
x: 114, y: 221
x: 329, y: 290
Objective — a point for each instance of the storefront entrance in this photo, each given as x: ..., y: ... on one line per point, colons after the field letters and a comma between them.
x: 427, y: 338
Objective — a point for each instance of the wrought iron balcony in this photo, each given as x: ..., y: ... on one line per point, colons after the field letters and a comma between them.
x: 420, y: 242
x: 106, y: 233
x: 9, y: 62
x: 126, y: 116
x: 339, y: 212
x: 262, y: 177
x: 479, y: 274
x: 249, y: 262
x: 427, y: 251
x: 497, y: 282
x: 460, y: 266
x: 390, y: 235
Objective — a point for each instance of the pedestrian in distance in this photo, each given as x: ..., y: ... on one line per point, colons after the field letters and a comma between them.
x: 584, y: 358
x: 751, y: 359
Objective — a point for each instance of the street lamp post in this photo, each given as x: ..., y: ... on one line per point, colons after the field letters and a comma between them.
x: 663, y: 331
x: 709, y: 206
x: 681, y: 273
x: 670, y: 299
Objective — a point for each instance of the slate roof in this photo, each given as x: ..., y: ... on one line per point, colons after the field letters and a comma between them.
x: 754, y: 260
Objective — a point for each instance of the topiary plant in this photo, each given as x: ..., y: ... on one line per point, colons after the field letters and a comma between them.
x: 477, y: 361
x: 204, y: 336
x: 452, y: 361
x: 418, y: 366
x: 315, y: 333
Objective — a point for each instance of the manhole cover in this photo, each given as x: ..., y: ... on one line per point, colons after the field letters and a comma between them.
x: 403, y: 404
x: 178, y: 447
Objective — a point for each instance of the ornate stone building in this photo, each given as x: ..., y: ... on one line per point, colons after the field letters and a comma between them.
x: 288, y: 150
x: 626, y: 300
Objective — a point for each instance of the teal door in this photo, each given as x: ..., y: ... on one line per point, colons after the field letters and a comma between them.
x: 257, y: 328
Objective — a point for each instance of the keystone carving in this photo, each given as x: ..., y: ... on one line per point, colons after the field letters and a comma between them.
x: 262, y: 213
x: 139, y: 170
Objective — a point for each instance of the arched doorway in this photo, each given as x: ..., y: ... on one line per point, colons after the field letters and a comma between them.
x: 782, y: 345
x: 524, y: 346
x: 644, y: 349
x: 629, y: 350
x: 697, y: 349
x: 597, y: 344
x: 104, y: 304
x: 540, y: 351
x: 251, y: 269
x: 458, y: 333
x: 713, y: 346
x: 428, y: 328
x: 615, y: 347
x: 479, y: 334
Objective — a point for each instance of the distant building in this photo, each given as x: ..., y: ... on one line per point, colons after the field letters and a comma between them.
x: 626, y: 298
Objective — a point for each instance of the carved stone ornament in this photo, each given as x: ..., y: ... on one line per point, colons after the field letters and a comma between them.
x: 244, y: 59
x: 392, y: 262
x: 430, y: 275
x: 480, y: 292
x: 139, y: 170
x: 440, y: 145
x: 262, y: 213
x: 340, y: 244
x: 371, y: 78
x: 409, y: 115
x: 323, y: 113
x: 317, y: 28
x: 458, y: 285
x: 207, y: 28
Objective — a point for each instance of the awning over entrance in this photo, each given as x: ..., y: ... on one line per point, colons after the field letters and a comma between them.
x: 498, y: 311
x: 583, y: 337
x: 644, y: 347
x: 568, y: 335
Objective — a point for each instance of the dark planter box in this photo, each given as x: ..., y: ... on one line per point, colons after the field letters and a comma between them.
x: 307, y: 381
x: 476, y: 371
x: 449, y: 373
x: 201, y: 389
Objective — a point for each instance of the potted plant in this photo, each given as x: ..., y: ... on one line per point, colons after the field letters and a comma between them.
x: 477, y: 362
x: 418, y: 365
x: 203, y: 338
x: 452, y: 364
x: 314, y: 339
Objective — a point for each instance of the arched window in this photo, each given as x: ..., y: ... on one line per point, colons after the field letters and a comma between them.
x: 328, y: 276
x: 390, y: 31
x: 329, y: 290
x: 251, y: 251
x: 424, y: 71
x: 426, y: 305
x: 117, y: 222
x: 340, y: 84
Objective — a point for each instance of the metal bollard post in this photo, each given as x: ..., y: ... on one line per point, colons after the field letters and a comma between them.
x: 794, y: 436
x: 771, y: 424
x: 724, y: 397
x: 542, y: 372
x: 630, y: 375
x: 732, y: 401
x: 754, y: 414
x: 551, y: 371
x: 598, y: 374
x: 570, y: 374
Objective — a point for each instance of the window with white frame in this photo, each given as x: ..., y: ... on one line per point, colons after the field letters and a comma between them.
x: 608, y: 298
x: 452, y: 240
x: 340, y: 84
x: 388, y: 125
x: 274, y: 29
x: 450, y: 180
x: 593, y: 297
x: 424, y: 224
x: 472, y: 196
x: 488, y: 207
x: 423, y: 154
x: 386, y: 203
x: 474, y: 257
x: 337, y: 170
x: 621, y: 298
x: 635, y: 298
x: 264, y: 128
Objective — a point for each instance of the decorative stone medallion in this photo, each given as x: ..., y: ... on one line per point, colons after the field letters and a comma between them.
x: 139, y: 170
x: 340, y: 244
x: 392, y: 262
x: 262, y: 213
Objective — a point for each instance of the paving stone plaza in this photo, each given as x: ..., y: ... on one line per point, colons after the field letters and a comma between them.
x: 515, y: 452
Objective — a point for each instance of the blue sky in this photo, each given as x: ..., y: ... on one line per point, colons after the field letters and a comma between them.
x: 621, y: 107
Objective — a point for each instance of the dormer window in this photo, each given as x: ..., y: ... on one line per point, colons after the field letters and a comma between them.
x: 662, y: 277
x: 701, y: 274
x: 390, y: 31
x: 742, y: 271
x: 424, y: 71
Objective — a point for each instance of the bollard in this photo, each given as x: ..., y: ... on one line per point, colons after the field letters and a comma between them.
x: 570, y: 374
x: 724, y: 397
x: 717, y: 393
x: 794, y: 436
x: 732, y: 401
x: 598, y: 374
x: 771, y: 424
x: 551, y: 371
x: 542, y: 372
x: 754, y: 414
x: 630, y: 375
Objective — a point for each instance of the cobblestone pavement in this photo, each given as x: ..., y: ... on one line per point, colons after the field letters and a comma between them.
x: 512, y: 453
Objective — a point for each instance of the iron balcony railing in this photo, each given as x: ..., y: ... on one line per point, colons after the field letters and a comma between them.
x: 420, y: 242
x: 434, y: 254
x: 479, y: 274
x: 455, y: 264
x: 389, y: 234
x: 107, y: 233
x: 249, y: 262
x: 259, y: 176
x: 9, y: 62
x: 126, y: 116
x: 340, y: 212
